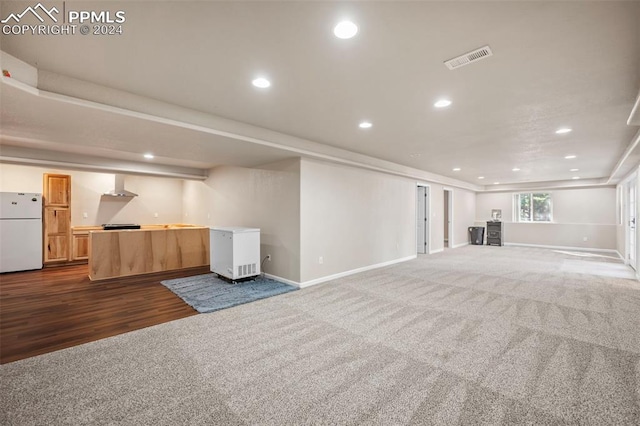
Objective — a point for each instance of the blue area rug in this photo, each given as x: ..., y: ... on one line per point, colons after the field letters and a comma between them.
x: 208, y: 293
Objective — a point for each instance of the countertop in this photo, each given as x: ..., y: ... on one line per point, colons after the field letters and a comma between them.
x: 85, y: 229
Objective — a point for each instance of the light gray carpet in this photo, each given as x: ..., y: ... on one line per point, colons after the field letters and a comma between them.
x: 475, y: 335
x: 208, y: 293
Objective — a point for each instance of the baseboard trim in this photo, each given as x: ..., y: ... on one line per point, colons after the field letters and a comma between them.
x: 405, y: 259
x: 599, y: 250
x: 283, y: 280
x: 461, y: 245
x: 351, y: 272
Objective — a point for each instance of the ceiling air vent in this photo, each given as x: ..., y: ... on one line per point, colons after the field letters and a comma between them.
x: 467, y: 58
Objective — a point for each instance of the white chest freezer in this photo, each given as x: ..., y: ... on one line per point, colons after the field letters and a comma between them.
x: 235, y: 252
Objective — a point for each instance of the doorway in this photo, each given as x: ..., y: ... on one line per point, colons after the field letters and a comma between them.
x: 422, y: 219
x: 448, y: 218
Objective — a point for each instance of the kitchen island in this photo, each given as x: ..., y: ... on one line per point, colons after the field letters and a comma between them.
x: 153, y: 248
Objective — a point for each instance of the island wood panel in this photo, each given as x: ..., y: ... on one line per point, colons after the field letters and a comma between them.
x: 133, y: 252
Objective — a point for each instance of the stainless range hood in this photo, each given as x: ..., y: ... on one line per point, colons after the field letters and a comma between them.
x: 118, y: 190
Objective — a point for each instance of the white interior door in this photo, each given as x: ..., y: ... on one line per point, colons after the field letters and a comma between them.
x: 422, y: 220
x: 632, y: 223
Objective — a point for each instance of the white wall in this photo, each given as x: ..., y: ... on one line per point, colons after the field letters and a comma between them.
x: 197, y: 203
x: 593, y: 205
x: 577, y: 213
x: 486, y: 201
x: 464, y: 209
x: 353, y: 218
x: 267, y: 198
x: 156, y: 195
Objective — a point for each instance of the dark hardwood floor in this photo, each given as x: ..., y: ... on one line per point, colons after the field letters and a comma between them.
x: 55, y: 308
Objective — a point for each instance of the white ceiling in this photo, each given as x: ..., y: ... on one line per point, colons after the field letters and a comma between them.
x: 555, y: 64
x: 51, y: 123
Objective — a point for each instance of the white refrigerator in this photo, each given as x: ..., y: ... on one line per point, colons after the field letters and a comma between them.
x: 20, y: 231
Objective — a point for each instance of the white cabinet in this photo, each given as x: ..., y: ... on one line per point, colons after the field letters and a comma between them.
x: 235, y: 252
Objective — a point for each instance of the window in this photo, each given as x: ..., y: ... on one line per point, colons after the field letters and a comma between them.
x: 532, y: 207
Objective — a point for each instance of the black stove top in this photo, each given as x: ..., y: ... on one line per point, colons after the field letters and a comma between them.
x: 114, y: 226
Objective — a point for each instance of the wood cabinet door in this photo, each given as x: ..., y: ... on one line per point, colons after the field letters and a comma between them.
x: 57, y: 221
x: 80, y: 247
x: 57, y: 190
x: 57, y: 232
x: 56, y: 248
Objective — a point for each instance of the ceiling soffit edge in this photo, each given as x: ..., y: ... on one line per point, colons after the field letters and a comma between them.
x: 73, y: 161
x: 634, y: 117
x: 629, y: 155
x: 551, y: 185
x: 97, y: 168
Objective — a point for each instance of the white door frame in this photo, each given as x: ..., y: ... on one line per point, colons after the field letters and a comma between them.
x: 449, y: 219
x: 632, y: 227
x: 427, y: 227
x: 627, y: 184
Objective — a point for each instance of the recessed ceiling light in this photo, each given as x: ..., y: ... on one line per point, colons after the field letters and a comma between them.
x: 456, y: 169
x: 576, y: 177
x: 345, y: 29
x: 365, y: 125
x: 570, y: 157
x: 442, y: 103
x: 574, y: 170
x: 515, y: 169
x: 148, y: 156
x: 261, y: 82
x: 496, y: 183
x: 480, y: 177
x: 563, y: 130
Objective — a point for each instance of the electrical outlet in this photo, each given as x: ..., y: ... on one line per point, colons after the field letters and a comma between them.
x: 85, y: 215
x: 321, y: 260
x: 268, y: 258
x: 585, y: 239
x: 155, y: 215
